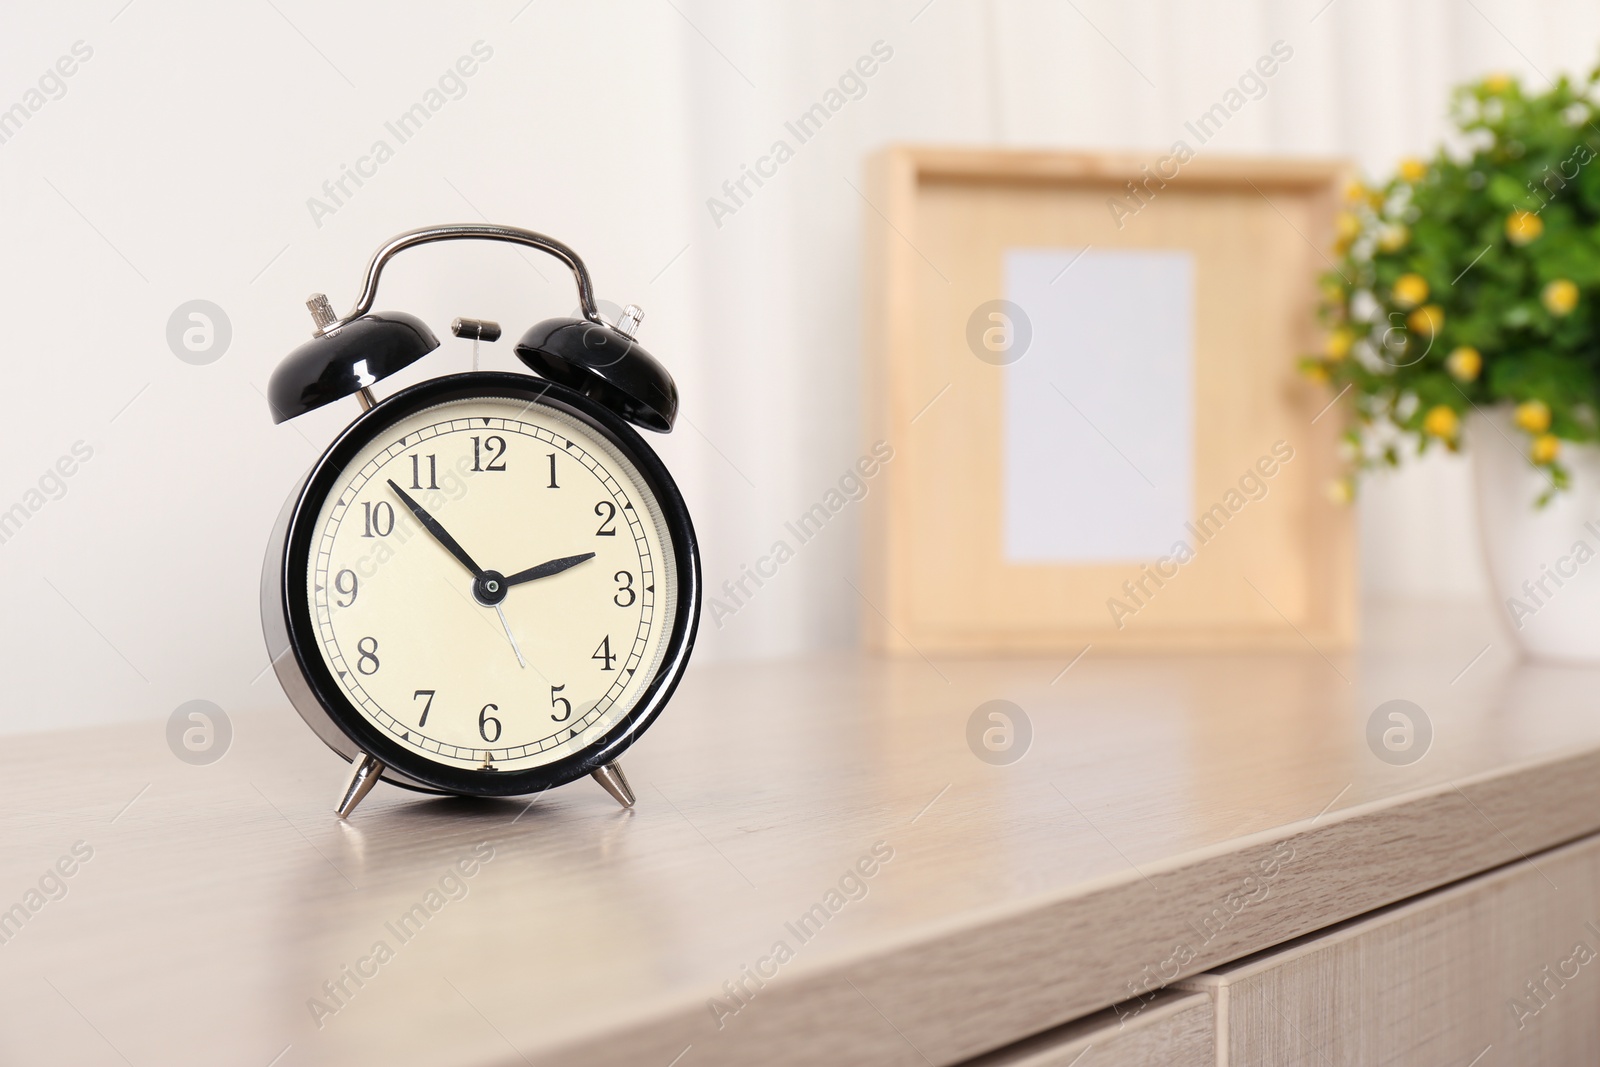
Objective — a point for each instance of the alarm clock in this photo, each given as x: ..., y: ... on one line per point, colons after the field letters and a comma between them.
x: 488, y: 585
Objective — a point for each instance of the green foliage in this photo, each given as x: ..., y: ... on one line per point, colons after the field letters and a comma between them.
x: 1496, y: 225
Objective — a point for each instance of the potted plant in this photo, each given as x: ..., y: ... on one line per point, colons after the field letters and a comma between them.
x: 1462, y: 306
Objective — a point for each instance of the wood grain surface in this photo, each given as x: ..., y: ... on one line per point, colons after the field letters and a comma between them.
x: 1501, y: 969
x: 1155, y: 796
x: 1171, y: 1030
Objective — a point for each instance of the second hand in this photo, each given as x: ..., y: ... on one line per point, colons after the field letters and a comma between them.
x: 503, y: 622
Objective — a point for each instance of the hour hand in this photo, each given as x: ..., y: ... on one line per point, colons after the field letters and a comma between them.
x: 440, y: 534
x: 545, y: 570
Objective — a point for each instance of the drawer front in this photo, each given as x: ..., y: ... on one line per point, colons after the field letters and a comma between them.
x: 1499, y: 969
x: 1168, y: 1030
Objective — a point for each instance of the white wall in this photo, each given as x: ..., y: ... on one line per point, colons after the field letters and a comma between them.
x: 179, y: 162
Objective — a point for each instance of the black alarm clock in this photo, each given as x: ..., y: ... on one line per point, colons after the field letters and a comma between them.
x: 488, y: 585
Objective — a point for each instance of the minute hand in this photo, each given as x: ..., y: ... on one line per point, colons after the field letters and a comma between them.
x: 545, y: 570
x: 439, y: 533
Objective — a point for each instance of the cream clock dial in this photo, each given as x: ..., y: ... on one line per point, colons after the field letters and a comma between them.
x: 492, y: 584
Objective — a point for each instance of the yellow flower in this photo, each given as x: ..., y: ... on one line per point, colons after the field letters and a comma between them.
x: 1441, y: 422
x: 1464, y: 364
x: 1545, y: 448
x: 1410, y: 290
x: 1413, y: 170
x: 1354, y: 192
x: 1533, y: 416
x: 1427, y: 320
x: 1497, y: 83
x: 1338, y: 344
x: 1560, y: 297
x: 1349, y: 227
x: 1333, y: 293
x: 1340, y: 491
x: 1523, y: 227
x: 1317, y: 372
x: 1393, y: 238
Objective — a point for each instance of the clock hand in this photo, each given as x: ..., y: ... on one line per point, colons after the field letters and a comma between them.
x: 545, y: 570
x: 502, y: 613
x: 440, y: 534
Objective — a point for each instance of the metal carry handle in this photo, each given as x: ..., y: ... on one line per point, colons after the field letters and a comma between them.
x: 322, y: 312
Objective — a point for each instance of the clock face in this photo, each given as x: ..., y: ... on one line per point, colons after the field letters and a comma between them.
x: 491, y: 583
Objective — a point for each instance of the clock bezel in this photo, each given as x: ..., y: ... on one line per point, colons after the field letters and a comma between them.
x: 301, y: 531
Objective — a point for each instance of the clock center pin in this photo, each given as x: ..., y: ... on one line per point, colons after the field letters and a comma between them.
x: 489, y: 588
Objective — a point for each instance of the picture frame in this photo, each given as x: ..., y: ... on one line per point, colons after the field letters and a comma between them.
x: 954, y: 560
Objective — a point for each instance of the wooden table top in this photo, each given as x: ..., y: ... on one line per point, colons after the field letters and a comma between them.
x: 1169, y: 814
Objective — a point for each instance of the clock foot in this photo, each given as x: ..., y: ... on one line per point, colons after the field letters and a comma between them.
x: 616, y: 783
x: 362, y: 778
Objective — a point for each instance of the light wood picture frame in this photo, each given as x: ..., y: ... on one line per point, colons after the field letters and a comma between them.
x: 1277, y: 571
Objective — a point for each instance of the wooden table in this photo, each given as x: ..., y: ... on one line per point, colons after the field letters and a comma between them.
x: 932, y: 906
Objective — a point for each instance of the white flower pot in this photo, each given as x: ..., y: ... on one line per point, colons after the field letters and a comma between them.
x: 1544, y: 563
